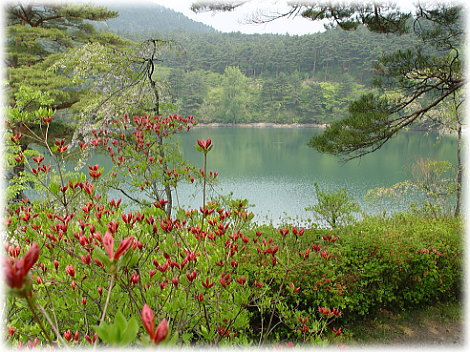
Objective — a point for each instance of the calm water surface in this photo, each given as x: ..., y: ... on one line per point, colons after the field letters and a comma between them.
x: 275, y: 170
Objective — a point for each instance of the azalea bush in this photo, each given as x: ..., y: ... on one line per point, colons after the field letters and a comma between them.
x: 147, y: 163
x: 397, y: 263
x: 402, y: 262
x: 84, y: 269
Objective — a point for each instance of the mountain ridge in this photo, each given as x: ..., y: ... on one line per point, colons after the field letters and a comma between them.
x: 146, y: 17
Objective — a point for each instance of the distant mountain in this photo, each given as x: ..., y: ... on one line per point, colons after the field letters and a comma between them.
x: 136, y: 18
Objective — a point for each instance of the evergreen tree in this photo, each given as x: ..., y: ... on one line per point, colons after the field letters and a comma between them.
x: 414, y: 82
x: 425, y: 78
x: 38, y: 35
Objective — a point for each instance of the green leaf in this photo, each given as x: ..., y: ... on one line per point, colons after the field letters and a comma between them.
x: 101, y: 256
x: 186, y: 337
x: 173, y: 340
x: 120, y: 322
x: 130, y: 333
x: 54, y: 188
x: 122, y: 332
x: 102, y: 332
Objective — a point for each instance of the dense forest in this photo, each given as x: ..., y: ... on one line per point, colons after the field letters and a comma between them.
x: 240, y: 78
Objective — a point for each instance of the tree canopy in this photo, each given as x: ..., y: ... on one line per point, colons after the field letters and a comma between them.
x: 413, y: 82
x: 417, y: 84
x: 38, y: 35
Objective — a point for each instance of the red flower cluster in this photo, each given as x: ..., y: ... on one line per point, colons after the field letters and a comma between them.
x: 108, y: 243
x: 17, y: 269
x: 148, y: 319
x: 61, y: 146
x: 94, y: 171
x: 204, y: 143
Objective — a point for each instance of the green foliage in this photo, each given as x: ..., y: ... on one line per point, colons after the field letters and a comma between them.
x: 24, y: 48
x: 268, y: 55
x: 397, y: 263
x: 236, y: 98
x: 150, y: 155
x: 40, y: 36
x: 400, y: 263
x: 359, y: 133
x: 289, y: 80
x: 23, y: 117
x: 217, y: 278
x: 26, y: 99
x: 121, y: 333
x: 335, y: 208
x: 425, y: 77
x: 151, y: 18
x: 58, y: 16
x: 433, y: 184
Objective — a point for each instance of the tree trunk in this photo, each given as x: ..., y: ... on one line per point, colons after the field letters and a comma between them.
x: 166, y: 185
x: 459, y: 172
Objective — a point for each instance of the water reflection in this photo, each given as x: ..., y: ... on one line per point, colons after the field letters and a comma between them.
x: 275, y: 169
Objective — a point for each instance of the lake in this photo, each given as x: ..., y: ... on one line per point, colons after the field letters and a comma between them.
x: 275, y: 170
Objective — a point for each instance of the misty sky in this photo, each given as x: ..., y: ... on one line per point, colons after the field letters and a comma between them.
x: 237, y: 20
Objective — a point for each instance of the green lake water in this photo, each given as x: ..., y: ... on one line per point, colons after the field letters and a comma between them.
x: 275, y: 169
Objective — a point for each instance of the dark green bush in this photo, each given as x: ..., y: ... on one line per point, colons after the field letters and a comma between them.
x: 396, y: 263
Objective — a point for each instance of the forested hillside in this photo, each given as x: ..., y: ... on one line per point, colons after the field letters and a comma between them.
x: 235, y: 77
x: 148, y: 18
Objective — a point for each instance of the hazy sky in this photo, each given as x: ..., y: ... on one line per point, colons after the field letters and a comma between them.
x: 237, y: 20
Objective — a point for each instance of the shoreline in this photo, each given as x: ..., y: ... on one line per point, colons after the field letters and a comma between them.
x: 263, y: 125
x: 299, y: 125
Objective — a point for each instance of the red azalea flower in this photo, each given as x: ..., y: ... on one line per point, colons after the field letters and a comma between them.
x: 38, y: 159
x: 337, y: 332
x: 11, y: 331
x: 68, y: 335
x: 17, y: 269
x: 108, y: 243
x: 205, y: 144
x: 241, y: 280
x: 161, y: 332
x: 70, y: 270
x: 123, y: 247
x: 47, y: 120
x: 207, y: 283
x: 148, y: 319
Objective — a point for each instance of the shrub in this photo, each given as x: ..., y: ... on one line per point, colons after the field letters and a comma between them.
x: 399, y: 263
x: 93, y: 269
x: 83, y: 269
x: 334, y: 208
